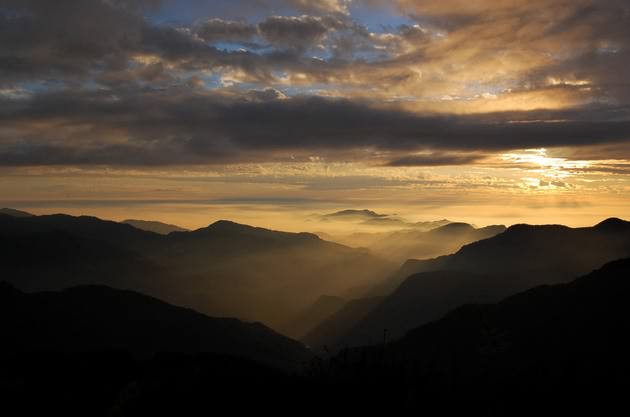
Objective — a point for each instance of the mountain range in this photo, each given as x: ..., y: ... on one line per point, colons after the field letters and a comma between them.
x: 225, y: 269
x: 485, y: 271
x: 397, y: 239
x: 559, y: 349
x: 92, y: 326
x: 406, y: 244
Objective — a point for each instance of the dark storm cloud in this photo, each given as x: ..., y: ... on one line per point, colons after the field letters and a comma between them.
x: 66, y: 38
x: 177, y: 127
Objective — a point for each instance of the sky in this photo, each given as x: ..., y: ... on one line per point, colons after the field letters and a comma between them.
x: 270, y: 111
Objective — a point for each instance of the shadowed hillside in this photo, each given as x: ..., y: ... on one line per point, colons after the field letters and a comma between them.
x: 94, y: 318
x: 563, y: 348
x: 329, y: 332
x: 422, y: 298
x: 320, y: 310
x: 14, y: 212
x: 485, y: 271
x: 533, y: 255
x: 545, y: 250
x: 552, y: 350
x: 153, y: 226
x: 225, y: 269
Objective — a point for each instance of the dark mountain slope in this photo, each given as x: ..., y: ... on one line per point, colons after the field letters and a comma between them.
x: 95, y: 318
x: 422, y: 298
x: 225, y: 269
x: 14, y: 212
x: 56, y: 259
x: 542, y: 251
x: 534, y: 255
x: 320, y: 310
x: 114, y: 233
x: 329, y: 332
x: 486, y: 271
x: 588, y: 315
x: 260, y: 274
x: 549, y: 350
x: 153, y: 226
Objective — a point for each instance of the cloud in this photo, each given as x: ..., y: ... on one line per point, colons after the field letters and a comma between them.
x: 66, y: 38
x: 434, y: 159
x: 328, y: 6
x: 219, y: 30
x: 103, y: 82
x: 295, y: 32
x: 178, y: 126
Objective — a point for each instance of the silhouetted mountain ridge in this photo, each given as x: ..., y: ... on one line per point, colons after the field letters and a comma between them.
x: 422, y: 298
x: 614, y: 224
x: 14, y: 213
x: 226, y: 269
x: 522, y: 257
x: 154, y: 226
x: 553, y: 349
x: 96, y: 318
x: 230, y: 228
x: 538, y: 253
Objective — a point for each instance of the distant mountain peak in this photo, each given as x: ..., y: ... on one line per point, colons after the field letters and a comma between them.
x: 452, y: 227
x: 612, y: 224
x: 354, y: 212
x: 226, y: 223
x: 14, y: 213
x: 524, y: 227
x: 230, y: 227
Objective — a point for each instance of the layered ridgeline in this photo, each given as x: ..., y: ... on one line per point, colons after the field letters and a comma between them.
x: 485, y: 271
x: 397, y: 239
x: 554, y: 350
x: 96, y: 318
x: 406, y: 244
x: 153, y: 226
x: 225, y: 269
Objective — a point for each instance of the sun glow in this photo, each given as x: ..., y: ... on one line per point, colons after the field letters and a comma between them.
x: 537, y: 161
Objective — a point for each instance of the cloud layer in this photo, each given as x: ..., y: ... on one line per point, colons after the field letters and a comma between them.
x: 406, y: 83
